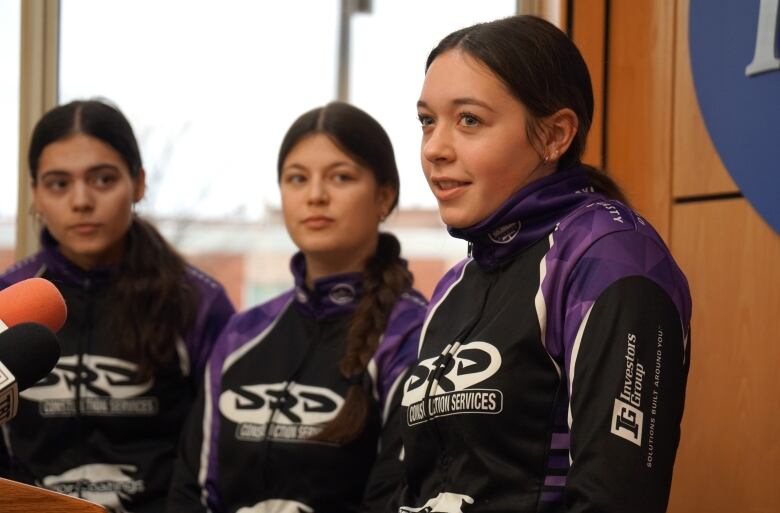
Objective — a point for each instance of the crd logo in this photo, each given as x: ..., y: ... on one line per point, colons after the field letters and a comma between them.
x: 445, y: 502
x: 100, y: 376
x: 296, y: 404
x: 277, y: 506
x: 104, y: 484
x: 471, y: 364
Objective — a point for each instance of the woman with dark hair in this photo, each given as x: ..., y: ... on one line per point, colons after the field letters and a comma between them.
x: 553, y: 364
x: 299, y: 410
x: 104, y: 425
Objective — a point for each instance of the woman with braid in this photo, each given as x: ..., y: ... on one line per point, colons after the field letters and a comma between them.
x: 299, y: 408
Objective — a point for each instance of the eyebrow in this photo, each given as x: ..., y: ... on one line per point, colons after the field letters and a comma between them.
x: 332, y: 165
x: 91, y: 169
x: 462, y: 101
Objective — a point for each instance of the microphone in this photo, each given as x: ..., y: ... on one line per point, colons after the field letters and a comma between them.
x: 28, y: 352
x: 33, y: 300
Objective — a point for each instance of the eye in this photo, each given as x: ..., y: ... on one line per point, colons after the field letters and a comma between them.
x: 104, y: 180
x: 342, y: 177
x: 295, y: 178
x: 469, y: 120
x: 425, y: 120
x: 55, y: 184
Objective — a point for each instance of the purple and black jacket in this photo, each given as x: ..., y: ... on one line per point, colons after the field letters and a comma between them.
x: 92, y: 428
x: 553, y: 363
x: 272, y: 382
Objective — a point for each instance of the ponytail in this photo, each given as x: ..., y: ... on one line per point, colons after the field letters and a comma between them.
x: 384, y: 280
x: 604, y: 184
x: 154, y: 301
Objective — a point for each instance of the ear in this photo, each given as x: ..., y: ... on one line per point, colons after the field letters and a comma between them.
x: 139, y: 186
x: 560, y: 129
x: 385, y: 197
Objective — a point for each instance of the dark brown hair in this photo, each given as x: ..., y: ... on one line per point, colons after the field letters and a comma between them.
x: 154, y: 301
x: 544, y: 70
x: 385, y: 276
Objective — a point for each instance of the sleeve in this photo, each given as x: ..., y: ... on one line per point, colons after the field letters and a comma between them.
x: 627, y: 368
x: 387, y: 473
x: 213, y: 315
x: 185, y: 494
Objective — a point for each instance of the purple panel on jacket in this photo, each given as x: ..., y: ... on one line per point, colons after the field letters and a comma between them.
x: 397, y: 350
x: 593, y: 247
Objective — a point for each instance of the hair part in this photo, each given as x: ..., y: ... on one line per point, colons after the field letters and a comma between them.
x: 95, y: 118
x: 155, y: 301
x: 543, y: 69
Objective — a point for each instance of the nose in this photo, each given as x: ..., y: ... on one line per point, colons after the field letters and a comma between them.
x: 317, y: 191
x: 437, y: 146
x: 81, y: 198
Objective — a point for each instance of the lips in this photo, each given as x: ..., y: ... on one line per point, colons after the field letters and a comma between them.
x: 449, y: 184
x: 317, y: 222
x: 447, y: 188
x: 85, y: 228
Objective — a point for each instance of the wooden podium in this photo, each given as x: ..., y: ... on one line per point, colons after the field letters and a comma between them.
x: 21, y: 498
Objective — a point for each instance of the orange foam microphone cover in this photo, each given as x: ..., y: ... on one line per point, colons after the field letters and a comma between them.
x: 34, y: 300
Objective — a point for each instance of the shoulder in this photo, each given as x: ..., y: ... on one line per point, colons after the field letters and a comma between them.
x: 249, y: 323
x: 606, y: 241
x: 205, y: 283
x: 411, y: 304
x: 403, y: 325
x: 597, y: 219
x: 450, y: 279
x: 397, y: 349
x: 604, y: 227
x: 30, y: 267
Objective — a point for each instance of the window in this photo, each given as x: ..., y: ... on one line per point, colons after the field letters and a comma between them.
x: 210, y: 89
x: 389, y: 49
x: 10, y: 22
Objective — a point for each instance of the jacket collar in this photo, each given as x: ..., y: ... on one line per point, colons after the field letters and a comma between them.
x: 527, y: 216
x: 329, y: 296
x: 62, y: 270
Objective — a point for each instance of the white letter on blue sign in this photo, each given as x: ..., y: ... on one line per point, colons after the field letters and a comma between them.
x: 764, y: 59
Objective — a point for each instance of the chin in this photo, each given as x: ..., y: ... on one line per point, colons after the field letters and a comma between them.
x: 318, y: 244
x: 457, y: 218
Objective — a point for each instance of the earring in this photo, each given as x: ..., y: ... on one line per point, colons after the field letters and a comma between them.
x: 37, y: 217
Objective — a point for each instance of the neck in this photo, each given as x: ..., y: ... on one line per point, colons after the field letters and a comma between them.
x: 328, y: 263
x: 88, y: 261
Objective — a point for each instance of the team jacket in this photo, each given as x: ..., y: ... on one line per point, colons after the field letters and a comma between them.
x: 92, y: 428
x: 272, y: 382
x: 553, y: 363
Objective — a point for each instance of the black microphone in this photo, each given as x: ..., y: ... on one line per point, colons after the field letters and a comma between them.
x: 28, y: 352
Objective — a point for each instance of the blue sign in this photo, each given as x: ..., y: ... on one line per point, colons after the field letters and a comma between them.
x: 735, y: 59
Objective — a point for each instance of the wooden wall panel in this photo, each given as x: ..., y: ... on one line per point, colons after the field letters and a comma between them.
x: 639, y: 110
x: 588, y: 32
x: 697, y: 168
x: 729, y: 456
